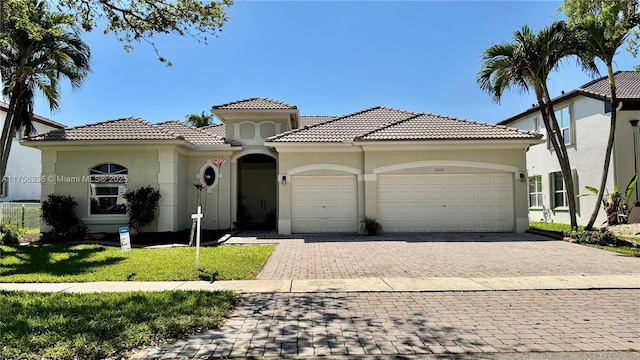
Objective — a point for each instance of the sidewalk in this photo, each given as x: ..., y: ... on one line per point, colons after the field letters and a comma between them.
x: 377, y: 284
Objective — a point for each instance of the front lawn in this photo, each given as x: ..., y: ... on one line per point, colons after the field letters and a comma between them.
x: 83, y: 263
x: 100, y: 325
x: 546, y: 226
x: 561, y: 228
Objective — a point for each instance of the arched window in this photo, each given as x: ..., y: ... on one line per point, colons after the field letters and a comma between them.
x: 108, y: 182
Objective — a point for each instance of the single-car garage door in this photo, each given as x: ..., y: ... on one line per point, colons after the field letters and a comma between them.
x: 324, y: 204
x: 446, y: 202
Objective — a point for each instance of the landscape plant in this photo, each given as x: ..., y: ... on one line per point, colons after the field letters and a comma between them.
x: 616, y: 205
x: 59, y: 212
x: 141, y: 206
x: 10, y: 234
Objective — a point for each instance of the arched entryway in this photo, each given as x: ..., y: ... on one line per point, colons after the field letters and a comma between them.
x: 257, y: 196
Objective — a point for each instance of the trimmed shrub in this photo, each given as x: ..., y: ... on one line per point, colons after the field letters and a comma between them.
x: 10, y: 234
x: 593, y: 237
x: 141, y: 206
x: 59, y: 212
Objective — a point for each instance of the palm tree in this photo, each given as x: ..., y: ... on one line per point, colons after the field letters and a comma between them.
x: 526, y: 64
x: 33, y: 60
x: 199, y: 120
x: 597, y: 41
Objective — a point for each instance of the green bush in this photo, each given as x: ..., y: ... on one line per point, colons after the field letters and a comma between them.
x: 593, y: 237
x: 59, y: 212
x: 141, y: 206
x: 10, y: 234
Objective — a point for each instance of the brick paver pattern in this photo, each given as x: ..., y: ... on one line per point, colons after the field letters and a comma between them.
x: 339, y: 256
x: 421, y: 323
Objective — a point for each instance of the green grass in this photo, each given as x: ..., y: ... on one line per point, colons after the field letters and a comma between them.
x: 99, y: 325
x: 30, y: 231
x: 545, y: 226
x: 83, y: 263
x: 624, y: 250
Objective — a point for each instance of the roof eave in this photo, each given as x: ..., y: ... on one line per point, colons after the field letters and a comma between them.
x: 221, y: 113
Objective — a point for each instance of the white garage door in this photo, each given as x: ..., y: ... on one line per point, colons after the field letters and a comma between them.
x: 446, y: 202
x: 324, y: 204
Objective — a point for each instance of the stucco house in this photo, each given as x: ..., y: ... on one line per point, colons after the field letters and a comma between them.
x: 23, y: 167
x: 412, y: 171
x: 584, y: 116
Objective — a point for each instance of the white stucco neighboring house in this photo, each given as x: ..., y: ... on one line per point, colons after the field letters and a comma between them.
x: 414, y: 172
x: 22, y: 178
x: 584, y: 116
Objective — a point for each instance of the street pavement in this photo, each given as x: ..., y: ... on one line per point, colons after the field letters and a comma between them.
x: 416, y: 296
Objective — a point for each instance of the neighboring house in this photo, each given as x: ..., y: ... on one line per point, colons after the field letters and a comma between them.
x: 584, y: 117
x: 22, y: 178
x: 412, y: 171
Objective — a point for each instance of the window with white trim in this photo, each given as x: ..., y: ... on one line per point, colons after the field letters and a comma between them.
x: 536, y: 125
x: 559, y: 190
x: 563, y: 116
x: 4, y: 188
x: 535, y: 191
x: 108, y: 183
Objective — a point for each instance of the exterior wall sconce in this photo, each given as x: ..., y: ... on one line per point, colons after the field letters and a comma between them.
x: 284, y: 179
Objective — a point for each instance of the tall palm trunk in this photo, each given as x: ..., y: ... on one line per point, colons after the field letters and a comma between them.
x: 609, y: 150
x: 552, y: 128
x: 8, y: 132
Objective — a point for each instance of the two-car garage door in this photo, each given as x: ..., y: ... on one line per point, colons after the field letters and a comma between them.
x: 406, y: 203
x: 445, y: 202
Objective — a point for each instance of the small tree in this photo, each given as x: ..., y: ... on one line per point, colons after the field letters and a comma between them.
x: 141, y: 206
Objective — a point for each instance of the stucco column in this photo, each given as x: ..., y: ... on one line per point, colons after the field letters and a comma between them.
x: 47, y: 187
x: 371, y: 195
x: 521, y: 201
x: 361, y: 196
x: 233, y: 178
x: 284, y: 204
x: 168, y: 184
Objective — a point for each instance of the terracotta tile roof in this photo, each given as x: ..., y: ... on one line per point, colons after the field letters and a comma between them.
x: 131, y: 128
x: 627, y: 85
x: 436, y: 127
x: 217, y: 129
x: 627, y: 88
x: 344, y: 128
x: 313, y: 120
x: 41, y: 119
x: 192, y: 134
x: 255, y: 104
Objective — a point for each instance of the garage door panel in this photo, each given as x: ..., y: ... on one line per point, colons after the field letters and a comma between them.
x: 468, y: 202
x: 324, y: 203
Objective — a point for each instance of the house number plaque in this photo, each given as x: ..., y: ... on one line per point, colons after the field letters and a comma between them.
x: 438, y: 170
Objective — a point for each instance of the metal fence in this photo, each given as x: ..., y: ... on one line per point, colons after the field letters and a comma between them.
x: 25, y: 215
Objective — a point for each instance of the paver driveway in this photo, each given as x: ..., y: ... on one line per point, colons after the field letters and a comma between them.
x: 405, y: 323
x: 340, y: 256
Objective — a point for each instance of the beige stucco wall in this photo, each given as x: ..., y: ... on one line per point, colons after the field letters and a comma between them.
x: 429, y: 161
x: 216, y: 201
x: 67, y: 166
x: 366, y: 163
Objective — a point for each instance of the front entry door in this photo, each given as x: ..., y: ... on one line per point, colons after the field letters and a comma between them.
x: 258, y: 193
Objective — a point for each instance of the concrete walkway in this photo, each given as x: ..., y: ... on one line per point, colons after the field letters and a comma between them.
x: 382, y: 284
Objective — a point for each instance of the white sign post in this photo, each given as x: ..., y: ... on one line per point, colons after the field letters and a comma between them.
x: 125, y: 239
x: 197, y: 217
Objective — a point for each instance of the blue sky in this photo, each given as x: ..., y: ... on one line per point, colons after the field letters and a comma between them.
x: 326, y: 57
